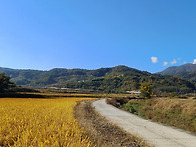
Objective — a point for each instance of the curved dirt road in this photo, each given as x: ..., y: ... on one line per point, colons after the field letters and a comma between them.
x: 153, y: 133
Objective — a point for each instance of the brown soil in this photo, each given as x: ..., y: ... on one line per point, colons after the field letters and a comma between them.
x: 102, y: 132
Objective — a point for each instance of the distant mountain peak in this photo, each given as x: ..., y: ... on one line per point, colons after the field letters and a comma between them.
x: 179, y: 69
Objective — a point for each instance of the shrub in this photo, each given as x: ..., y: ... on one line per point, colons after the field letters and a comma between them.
x: 146, y: 90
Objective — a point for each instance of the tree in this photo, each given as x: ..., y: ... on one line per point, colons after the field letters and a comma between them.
x: 5, y: 82
x: 146, y: 90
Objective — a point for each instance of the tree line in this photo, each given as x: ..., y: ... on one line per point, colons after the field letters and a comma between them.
x: 5, y: 83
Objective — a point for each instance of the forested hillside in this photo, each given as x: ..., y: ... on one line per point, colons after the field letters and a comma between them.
x: 118, y: 79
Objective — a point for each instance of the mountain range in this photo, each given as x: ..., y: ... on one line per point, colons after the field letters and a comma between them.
x: 117, y: 79
x: 186, y: 71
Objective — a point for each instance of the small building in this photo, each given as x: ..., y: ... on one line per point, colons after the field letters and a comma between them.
x: 133, y: 92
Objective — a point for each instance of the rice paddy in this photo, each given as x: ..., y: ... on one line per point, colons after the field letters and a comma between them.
x: 40, y: 122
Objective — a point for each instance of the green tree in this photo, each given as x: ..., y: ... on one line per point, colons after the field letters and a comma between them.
x: 146, y: 90
x: 5, y: 82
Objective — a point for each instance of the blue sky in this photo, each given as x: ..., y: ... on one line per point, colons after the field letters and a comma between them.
x: 149, y: 35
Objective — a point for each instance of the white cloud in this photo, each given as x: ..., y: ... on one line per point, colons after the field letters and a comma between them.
x: 154, y: 59
x: 165, y: 63
x: 194, y: 61
x: 173, y: 62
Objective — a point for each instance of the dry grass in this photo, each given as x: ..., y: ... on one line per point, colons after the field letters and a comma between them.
x: 40, y: 122
x: 187, y: 106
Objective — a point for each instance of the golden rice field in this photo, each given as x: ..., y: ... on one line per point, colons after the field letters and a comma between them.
x: 40, y: 122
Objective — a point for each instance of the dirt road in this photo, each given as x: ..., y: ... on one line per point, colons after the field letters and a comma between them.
x: 153, y: 133
x: 101, y: 132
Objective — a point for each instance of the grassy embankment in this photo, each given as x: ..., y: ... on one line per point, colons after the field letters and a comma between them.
x: 180, y: 113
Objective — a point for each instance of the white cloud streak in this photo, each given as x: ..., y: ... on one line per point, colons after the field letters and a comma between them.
x: 154, y: 59
x: 165, y: 63
x: 194, y: 61
x: 173, y: 62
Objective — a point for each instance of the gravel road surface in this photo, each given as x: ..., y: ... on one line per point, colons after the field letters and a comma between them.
x: 156, y: 134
